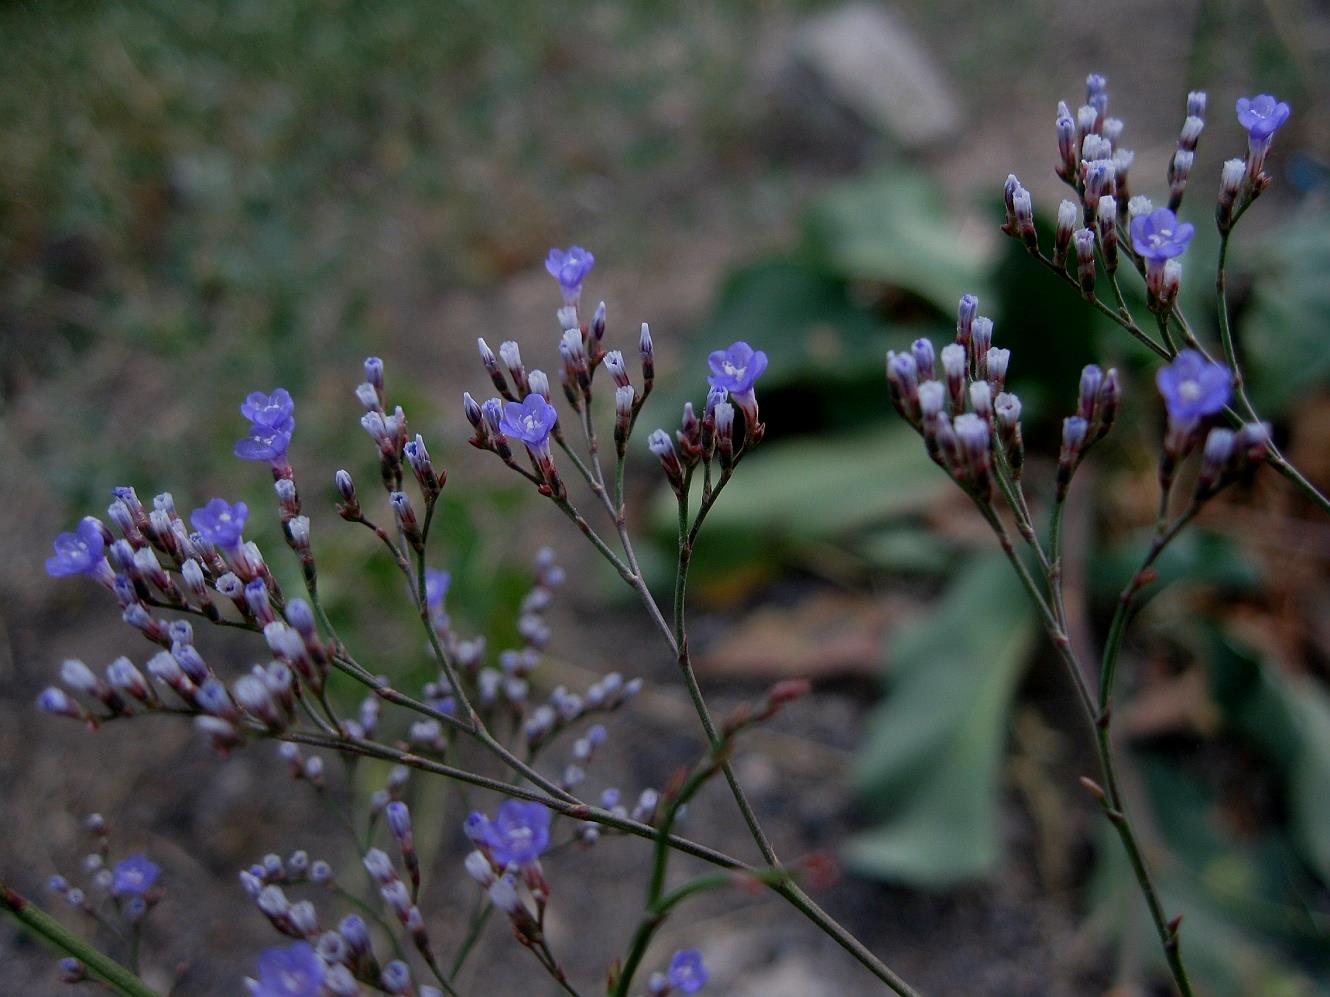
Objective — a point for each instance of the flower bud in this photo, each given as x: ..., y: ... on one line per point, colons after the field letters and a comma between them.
x: 903, y: 384
x: 981, y: 338
x: 954, y: 370
x: 995, y: 367
x: 1068, y: 216
x: 922, y: 351
x: 511, y: 356
x: 1216, y: 460
x: 1065, y: 126
x: 966, y: 311
x: 1083, y: 238
x: 660, y: 444
x: 1107, y: 220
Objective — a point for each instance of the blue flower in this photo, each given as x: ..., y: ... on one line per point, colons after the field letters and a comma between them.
x: 436, y: 587
x: 274, y: 411
x: 736, y: 369
x: 133, y: 876
x: 1193, y: 387
x: 686, y: 973
x: 77, y: 553
x: 570, y: 267
x: 289, y: 971
x: 272, y: 421
x: 517, y: 835
x: 221, y: 523
x: 1262, y: 116
x: 1159, y: 236
x: 530, y: 421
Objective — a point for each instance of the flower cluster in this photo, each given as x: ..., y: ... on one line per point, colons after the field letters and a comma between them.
x: 123, y: 892
x: 169, y: 573
x: 1094, y: 163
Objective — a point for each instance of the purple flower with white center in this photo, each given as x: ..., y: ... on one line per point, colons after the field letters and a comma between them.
x: 79, y: 553
x: 273, y: 411
x: 436, y: 587
x: 1193, y: 387
x: 272, y: 421
x: 220, y: 523
x: 289, y: 971
x: 530, y: 421
x: 570, y: 267
x: 1262, y: 116
x: 687, y: 974
x: 1159, y: 236
x: 134, y: 876
x: 516, y: 836
x: 736, y: 369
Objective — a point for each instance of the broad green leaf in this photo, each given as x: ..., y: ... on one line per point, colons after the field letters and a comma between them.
x: 804, y: 318
x: 932, y: 758
x: 816, y: 489
x: 1282, y: 335
x: 1287, y: 717
x: 893, y: 227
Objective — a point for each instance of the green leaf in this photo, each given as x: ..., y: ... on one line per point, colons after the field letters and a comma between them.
x: 1287, y: 717
x: 814, y: 488
x: 802, y: 317
x: 893, y: 227
x: 932, y: 757
x: 1281, y: 338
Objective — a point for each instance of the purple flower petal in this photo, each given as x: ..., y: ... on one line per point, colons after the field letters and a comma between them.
x: 133, y: 876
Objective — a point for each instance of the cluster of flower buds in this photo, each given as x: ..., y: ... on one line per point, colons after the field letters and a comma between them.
x: 1179, y: 166
x: 273, y: 870
x: 565, y: 708
x: 523, y: 410
x: 387, y: 429
x: 400, y: 900
x: 334, y: 965
x: 1096, y: 411
x: 129, y: 888
x: 957, y: 400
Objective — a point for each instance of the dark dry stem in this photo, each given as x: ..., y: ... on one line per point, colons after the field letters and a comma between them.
x: 571, y: 807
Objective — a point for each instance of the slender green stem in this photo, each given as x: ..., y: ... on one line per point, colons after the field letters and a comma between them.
x: 804, y: 903
x: 1124, y: 320
x: 1099, y: 719
x: 654, y: 918
x: 479, y: 918
x: 1164, y: 535
x: 1276, y: 459
x: 1055, y: 561
x: 686, y: 542
x: 34, y: 919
